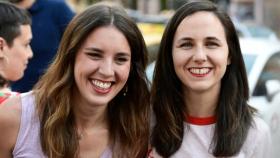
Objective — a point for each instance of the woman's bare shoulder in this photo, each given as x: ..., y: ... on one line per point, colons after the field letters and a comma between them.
x: 12, y: 106
x: 10, y: 114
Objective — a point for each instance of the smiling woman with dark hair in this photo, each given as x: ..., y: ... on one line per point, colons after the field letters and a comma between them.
x: 93, y: 101
x: 200, y: 90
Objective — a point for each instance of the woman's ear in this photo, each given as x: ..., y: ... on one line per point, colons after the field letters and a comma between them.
x: 2, y: 46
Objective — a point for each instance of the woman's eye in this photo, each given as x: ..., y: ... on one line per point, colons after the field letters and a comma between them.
x: 121, y: 60
x: 212, y: 45
x: 94, y: 55
x: 187, y: 45
x: 27, y: 45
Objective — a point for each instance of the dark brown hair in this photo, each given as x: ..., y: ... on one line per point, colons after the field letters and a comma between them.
x: 234, y: 116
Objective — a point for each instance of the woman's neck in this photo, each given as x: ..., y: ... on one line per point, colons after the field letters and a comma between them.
x: 92, y: 129
x: 201, y: 104
x: 90, y: 116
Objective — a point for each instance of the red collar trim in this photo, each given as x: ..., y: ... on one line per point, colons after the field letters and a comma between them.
x: 201, y: 120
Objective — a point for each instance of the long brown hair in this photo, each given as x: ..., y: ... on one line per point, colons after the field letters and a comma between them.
x: 234, y: 116
x: 128, y: 115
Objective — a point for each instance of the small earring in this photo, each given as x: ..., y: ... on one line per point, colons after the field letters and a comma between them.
x: 125, y: 91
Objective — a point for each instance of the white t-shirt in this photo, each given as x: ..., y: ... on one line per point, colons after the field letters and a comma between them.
x: 197, y: 140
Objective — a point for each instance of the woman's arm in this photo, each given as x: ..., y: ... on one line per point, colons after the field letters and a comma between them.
x: 10, y: 114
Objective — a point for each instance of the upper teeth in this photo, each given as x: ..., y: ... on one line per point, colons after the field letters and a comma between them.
x: 199, y: 71
x: 102, y: 84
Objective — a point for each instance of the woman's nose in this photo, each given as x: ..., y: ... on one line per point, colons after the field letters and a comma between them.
x: 106, y: 68
x: 200, y: 55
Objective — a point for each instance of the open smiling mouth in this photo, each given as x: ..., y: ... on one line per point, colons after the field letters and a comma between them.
x: 102, y: 87
x: 199, y: 71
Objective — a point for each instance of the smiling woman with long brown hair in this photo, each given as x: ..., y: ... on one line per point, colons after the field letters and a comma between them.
x: 93, y: 101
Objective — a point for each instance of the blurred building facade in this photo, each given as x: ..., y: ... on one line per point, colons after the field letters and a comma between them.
x: 263, y: 12
x: 149, y: 6
x: 271, y: 14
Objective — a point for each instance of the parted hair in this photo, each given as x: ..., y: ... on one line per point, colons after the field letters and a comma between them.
x: 234, y: 116
x: 128, y: 115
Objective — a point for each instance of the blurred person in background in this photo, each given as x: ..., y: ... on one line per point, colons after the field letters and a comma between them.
x: 93, y: 101
x: 49, y: 19
x: 200, y: 90
x: 15, y: 51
